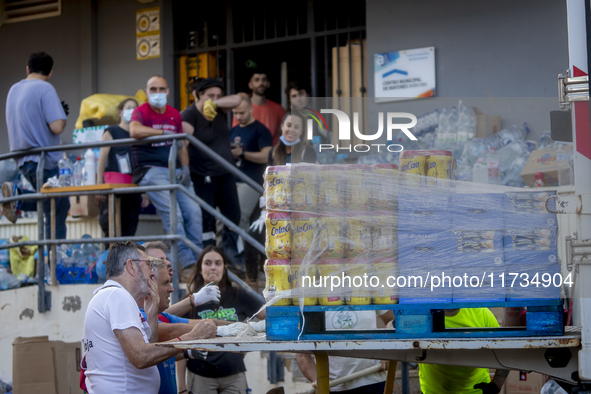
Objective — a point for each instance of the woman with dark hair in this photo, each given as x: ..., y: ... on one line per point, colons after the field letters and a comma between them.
x: 291, y: 147
x: 116, y: 159
x: 220, y: 372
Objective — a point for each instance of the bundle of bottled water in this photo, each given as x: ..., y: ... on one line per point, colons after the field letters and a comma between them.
x: 455, y: 127
x: 78, y: 255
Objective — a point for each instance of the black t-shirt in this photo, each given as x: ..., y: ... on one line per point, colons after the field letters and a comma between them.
x: 253, y: 138
x: 304, y: 154
x: 215, y: 134
x: 117, y: 133
x: 235, y: 305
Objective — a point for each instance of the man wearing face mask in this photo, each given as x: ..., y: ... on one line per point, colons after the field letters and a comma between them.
x: 150, y: 166
x: 117, y: 159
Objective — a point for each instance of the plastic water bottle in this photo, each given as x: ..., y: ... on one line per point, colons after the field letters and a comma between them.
x: 492, y: 163
x: 545, y: 140
x: 466, y: 124
x: 513, y: 175
x: 89, y: 168
x: 508, y: 154
x: 452, y: 131
x: 464, y: 171
x: 480, y: 172
x: 442, y: 128
x: 78, y: 171
x: 512, y: 133
x: 65, y: 171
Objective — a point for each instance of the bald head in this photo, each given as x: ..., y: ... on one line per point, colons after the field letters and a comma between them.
x: 243, y: 112
x: 157, y: 84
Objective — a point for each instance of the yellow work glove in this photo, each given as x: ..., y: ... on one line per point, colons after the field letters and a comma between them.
x: 210, y: 109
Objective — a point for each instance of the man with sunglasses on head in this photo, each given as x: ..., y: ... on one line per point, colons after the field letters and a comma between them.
x: 119, y: 357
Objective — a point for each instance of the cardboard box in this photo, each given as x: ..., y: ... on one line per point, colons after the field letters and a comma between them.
x: 83, y: 206
x: 88, y: 134
x: 424, y: 212
x: 477, y: 211
x: 519, y: 382
x: 424, y: 254
x: 486, y: 125
x: 43, y: 366
x: 527, y: 210
x: 544, y: 161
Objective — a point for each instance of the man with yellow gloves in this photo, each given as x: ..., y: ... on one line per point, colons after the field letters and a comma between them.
x: 442, y: 379
x: 448, y: 379
x: 206, y: 121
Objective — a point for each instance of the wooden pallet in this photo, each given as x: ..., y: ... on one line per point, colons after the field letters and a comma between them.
x: 284, y: 323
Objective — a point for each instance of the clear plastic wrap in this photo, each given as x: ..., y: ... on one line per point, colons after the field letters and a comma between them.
x: 373, y: 234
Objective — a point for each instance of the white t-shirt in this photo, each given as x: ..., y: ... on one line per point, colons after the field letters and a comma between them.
x: 109, y: 370
x: 343, y: 366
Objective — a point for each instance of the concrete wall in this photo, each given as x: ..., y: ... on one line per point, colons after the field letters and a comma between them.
x: 62, y: 38
x: 65, y: 322
x: 485, y: 52
x: 93, y: 47
x: 118, y: 71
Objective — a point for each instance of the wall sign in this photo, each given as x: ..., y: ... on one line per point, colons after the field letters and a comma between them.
x: 404, y: 75
x: 147, y: 32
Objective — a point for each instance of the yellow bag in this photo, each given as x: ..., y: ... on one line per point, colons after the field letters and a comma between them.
x: 102, y: 105
x: 22, y: 259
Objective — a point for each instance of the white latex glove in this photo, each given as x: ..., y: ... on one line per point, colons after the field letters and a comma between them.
x: 206, y: 294
x: 234, y: 329
x: 259, y: 224
x: 259, y: 326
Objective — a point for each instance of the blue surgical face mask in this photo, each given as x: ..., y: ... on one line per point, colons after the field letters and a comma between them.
x: 127, y: 115
x: 286, y: 142
x: 158, y: 100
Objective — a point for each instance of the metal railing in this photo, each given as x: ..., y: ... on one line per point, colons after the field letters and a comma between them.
x: 44, y: 297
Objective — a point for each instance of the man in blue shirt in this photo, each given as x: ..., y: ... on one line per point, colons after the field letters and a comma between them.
x: 251, y: 142
x: 35, y: 117
x: 167, y: 369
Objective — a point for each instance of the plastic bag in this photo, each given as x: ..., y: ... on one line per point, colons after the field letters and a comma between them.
x: 551, y: 387
x: 22, y: 259
x: 8, y: 281
x: 103, y: 105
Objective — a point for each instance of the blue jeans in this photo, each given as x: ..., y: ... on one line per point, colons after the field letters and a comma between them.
x: 62, y: 204
x: 188, y: 213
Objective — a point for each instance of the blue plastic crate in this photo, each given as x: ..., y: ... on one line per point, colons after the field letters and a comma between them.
x: 76, y: 275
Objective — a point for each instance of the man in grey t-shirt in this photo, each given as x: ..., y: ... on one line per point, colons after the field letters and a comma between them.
x: 35, y: 118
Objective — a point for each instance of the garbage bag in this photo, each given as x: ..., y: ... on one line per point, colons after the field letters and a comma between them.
x: 22, y: 259
x: 102, y: 105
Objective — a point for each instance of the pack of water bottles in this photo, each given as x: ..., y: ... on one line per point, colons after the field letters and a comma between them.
x: 77, y: 263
